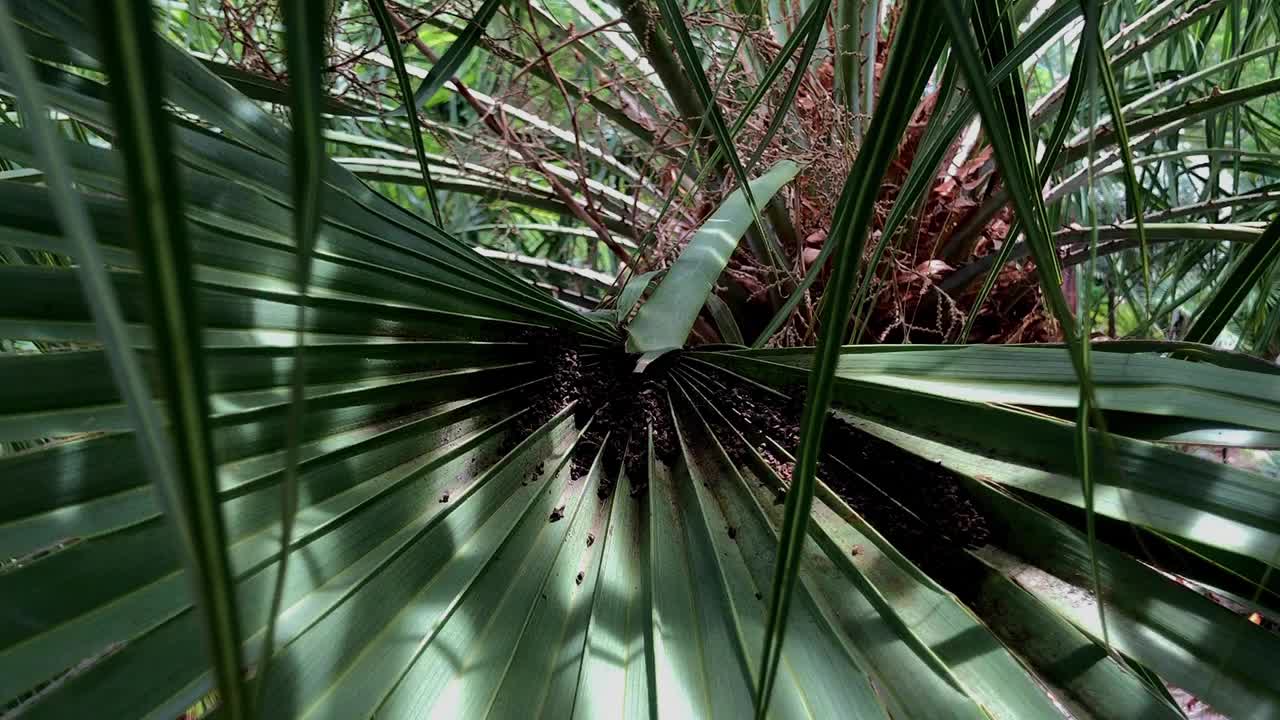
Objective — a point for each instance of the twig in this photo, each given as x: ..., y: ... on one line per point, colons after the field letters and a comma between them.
x: 498, y: 125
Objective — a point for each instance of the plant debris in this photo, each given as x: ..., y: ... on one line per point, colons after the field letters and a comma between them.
x: 621, y: 407
x: 918, y: 505
x: 555, y: 356
x: 616, y: 406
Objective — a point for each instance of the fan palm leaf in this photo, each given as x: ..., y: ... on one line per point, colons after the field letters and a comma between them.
x: 485, y: 511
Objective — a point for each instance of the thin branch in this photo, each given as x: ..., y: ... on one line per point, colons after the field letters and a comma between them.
x: 498, y: 125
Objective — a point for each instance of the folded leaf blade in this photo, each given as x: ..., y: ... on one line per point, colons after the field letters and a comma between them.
x: 665, y: 320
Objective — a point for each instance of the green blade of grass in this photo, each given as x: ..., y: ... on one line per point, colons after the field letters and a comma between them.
x: 1096, y: 59
x: 911, y: 61
x: 1027, y: 201
x: 1084, y: 418
x: 809, y: 31
x: 1235, y: 287
x: 444, y: 68
x: 143, y: 135
x: 379, y: 9
x: 144, y: 416
x: 996, y: 29
x: 1133, y: 189
x: 1019, y: 173
x: 673, y: 19
x: 305, y: 54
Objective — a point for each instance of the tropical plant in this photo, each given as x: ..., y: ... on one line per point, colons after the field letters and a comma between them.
x: 278, y: 444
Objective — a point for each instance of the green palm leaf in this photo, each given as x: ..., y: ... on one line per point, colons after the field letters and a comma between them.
x: 1240, y: 280
x: 142, y: 133
x: 909, y: 68
x: 444, y: 68
x: 664, y: 321
x: 485, y: 511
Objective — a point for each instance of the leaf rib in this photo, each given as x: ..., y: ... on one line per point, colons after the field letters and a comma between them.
x: 143, y: 134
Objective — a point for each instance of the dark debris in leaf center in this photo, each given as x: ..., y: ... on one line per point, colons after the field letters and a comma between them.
x: 615, y: 405
x: 919, y: 506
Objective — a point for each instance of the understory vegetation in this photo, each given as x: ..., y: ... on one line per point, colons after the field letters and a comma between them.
x: 558, y: 358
